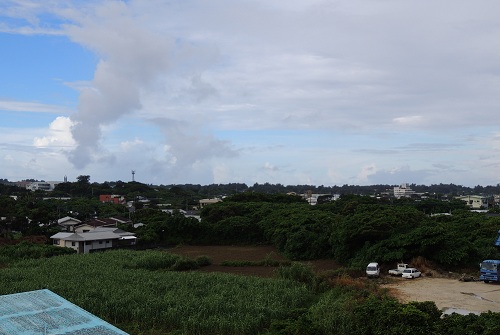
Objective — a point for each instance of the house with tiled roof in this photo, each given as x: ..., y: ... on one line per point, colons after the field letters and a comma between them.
x: 477, y: 201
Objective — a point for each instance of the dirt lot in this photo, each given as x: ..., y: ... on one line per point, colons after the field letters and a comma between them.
x: 449, y: 294
x: 219, y: 254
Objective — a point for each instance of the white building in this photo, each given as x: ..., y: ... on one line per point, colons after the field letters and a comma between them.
x: 476, y: 201
x: 42, y: 185
x: 312, y: 198
x: 204, y: 202
x: 403, y: 190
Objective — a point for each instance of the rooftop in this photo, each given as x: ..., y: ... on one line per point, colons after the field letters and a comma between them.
x: 44, y: 312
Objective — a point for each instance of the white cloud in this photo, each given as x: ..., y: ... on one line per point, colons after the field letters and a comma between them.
x: 130, y: 145
x: 34, y: 107
x: 366, y: 172
x: 408, y: 120
x: 59, y: 134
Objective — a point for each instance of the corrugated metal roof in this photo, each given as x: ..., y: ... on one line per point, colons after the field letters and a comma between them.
x: 46, y: 313
x: 94, y: 235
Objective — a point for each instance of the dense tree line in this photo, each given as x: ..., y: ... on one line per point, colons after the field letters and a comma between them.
x: 83, y: 187
x: 353, y: 230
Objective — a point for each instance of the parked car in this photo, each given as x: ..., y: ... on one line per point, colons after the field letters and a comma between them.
x: 411, y: 273
x: 373, y: 270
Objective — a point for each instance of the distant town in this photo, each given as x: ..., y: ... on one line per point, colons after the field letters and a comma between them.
x: 477, y: 197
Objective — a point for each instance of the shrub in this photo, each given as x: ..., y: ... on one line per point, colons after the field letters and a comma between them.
x: 203, y: 261
x: 153, y: 260
x: 184, y: 264
x: 304, y: 274
x: 298, y: 272
x: 28, y: 250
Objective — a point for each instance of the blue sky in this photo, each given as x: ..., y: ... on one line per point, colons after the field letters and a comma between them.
x: 316, y: 92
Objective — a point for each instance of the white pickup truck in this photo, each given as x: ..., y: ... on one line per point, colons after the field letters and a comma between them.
x: 399, y: 270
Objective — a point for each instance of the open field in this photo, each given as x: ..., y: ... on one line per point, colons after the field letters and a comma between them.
x: 447, y: 293
x: 219, y: 254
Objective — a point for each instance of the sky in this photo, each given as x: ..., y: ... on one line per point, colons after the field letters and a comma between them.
x: 317, y: 92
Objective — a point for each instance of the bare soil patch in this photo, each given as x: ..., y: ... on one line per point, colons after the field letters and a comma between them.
x: 448, y: 293
x: 220, y: 254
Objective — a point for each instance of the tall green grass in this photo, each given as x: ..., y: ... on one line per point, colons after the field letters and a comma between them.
x: 28, y: 250
x: 120, y: 287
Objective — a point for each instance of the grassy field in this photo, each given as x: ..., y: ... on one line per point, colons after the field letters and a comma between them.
x: 159, y: 292
x: 139, y: 292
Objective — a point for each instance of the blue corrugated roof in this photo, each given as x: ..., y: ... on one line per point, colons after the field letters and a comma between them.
x: 44, y: 312
x: 497, y: 243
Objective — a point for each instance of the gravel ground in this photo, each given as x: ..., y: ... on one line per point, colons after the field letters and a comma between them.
x: 449, y: 294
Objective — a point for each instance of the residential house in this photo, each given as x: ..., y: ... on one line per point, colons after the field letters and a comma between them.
x: 68, y: 223
x: 120, y: 220
x: 204, y: 202
x: 188, y: 214
x: 97, y: 239
x: 476, y: 201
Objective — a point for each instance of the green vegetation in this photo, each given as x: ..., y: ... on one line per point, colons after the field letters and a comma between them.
x: 116, y: 286
x: 27, y: 250
x: 165, y: 261
x: 141, y: 293
x: 355, y: 230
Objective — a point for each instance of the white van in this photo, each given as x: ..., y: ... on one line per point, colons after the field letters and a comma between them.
x: 373, y: 270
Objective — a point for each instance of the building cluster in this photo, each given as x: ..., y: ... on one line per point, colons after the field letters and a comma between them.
x: 475, y: 202
x: 94, y: 235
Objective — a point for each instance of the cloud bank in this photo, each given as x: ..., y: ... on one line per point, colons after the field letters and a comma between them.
x: 323, y: 92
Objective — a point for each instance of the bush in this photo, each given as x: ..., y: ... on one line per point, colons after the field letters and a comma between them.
x: 304, y: 274
x: 154, y: 260
x: 357, y: 311
x: 203, y: 261
x: 28, y: 250
x: 184, y: 264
